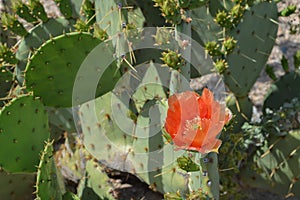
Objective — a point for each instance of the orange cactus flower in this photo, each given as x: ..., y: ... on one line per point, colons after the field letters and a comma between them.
x: 194, y: 121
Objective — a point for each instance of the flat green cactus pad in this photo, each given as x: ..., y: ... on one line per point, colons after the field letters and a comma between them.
x: 204, y: 27
x: 255, y: 37
x: 278, y: 166
x: 283, y: 90
x: 16, y: 186
x: 241, y: 107
x: 49, y: 184
x: 133, y: 142
x: 52, y: 70
x: 38, y: 35
x: 205, y: 181
x: 108, y: 16
x: 204, y: 30
x: 23, y: 130
x: 95, y: 185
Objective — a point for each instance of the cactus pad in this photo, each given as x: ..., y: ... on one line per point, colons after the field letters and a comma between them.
x: 204, y: 27
x: 130, y: 141
x: 16, y: 186
x: 285, y: 89
x: 95, y: 184
x: 241, y: 107
x: 52, y: 77
x: 206, y: 180
x: 70, y: 8
x: 255, y: 37
x: 277, y: 165
x: 23, y: 11
x: 71, y: 161
x: 38, y: 35
x: 38, y: 10
x: 23, y: 128
x: 49, y: 184
x: 108, y: 16
x: 65, y: 7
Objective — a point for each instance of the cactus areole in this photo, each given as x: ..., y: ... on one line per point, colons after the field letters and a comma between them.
x: 194, y: 121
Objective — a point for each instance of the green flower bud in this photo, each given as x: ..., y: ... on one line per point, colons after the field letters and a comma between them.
x: 6, y: 55
x: 223, y: 19
x: 100, y: 33
x: 82, y: 26
x: 221, y: 65
x: 228, y: 45
x: 10, y: 22
x: 172, y: 59
x: 213, y: 48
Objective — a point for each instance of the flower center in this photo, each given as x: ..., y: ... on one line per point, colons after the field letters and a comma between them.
x: 192, y: 125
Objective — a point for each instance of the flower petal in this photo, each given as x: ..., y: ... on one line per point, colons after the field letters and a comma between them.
x: 194, y: 121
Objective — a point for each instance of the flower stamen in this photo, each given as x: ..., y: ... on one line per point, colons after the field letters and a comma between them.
x: 192, y: 125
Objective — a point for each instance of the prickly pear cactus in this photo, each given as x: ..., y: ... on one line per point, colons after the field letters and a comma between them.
x: 38, y: 10
x: 38, y: 35
x: 285, y: 89
x: 16, y: 186
x: 49, y: 183
x: 255, y: 36
x: 23, y: 127
x: 70, y: 8
x: 71, y: 157
x: 23, y: 11
x: 204, y: 27
x: 204, y: 183
x: 242, y: 107
x: 95, y: 183
x: 67, y: 53
x: 239, y: 36
x: 127, y: 140
x: 277, y: 165
x: 6, y: 56
x: 109, y: 14
x: 11, y: 22
x: 122, y: 127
